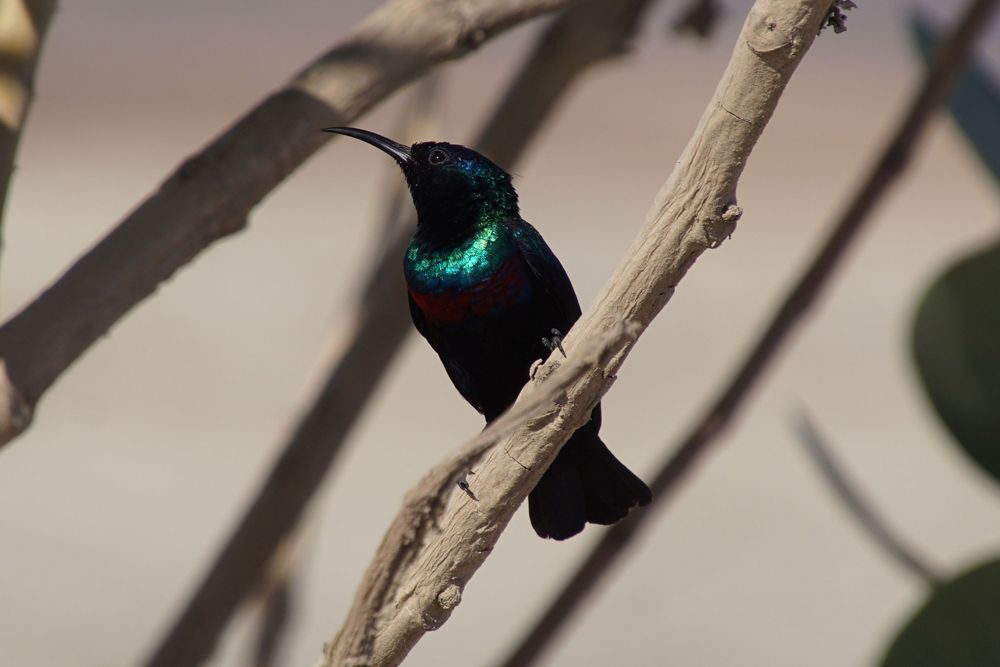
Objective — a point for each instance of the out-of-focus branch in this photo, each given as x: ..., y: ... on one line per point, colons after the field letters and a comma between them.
x: 588, y: 33
x: 892, y: 162
x: 23, y: 24
x: 419, y: 120
x: 857, y: 505
x: 414, y: 592
x: 375, y: 332
x: 277, y: 592
x: 699, y: 17
x: 276, y: 614
x: 211, y: 194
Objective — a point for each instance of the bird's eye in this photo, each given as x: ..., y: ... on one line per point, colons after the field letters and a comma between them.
x: 437, y: 156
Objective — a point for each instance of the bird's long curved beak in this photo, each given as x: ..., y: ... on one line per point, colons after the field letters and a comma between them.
x: 399, y: 152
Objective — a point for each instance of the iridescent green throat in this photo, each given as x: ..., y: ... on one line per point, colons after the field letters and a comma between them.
x: 432, y: 268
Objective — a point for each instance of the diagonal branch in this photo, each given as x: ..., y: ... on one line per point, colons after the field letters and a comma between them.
x: 418, y: 120
x: 211, y: 194
x: 694, y: 211
x: 803, y: 295
x: 23, y: 24
x: 589, y: 31
x: 424, y: 507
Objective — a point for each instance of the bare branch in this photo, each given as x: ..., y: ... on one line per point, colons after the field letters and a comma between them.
x: 211, y: 194
x: 876, y: 527
x: 23, y: 24
x: 695, y: 210
x: 377, y: 328
x: 404, y: 549
x: 807, y: 289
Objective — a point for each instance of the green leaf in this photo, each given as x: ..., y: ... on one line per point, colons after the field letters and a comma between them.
x: 956, y: 345
x: 959, y: 626
x: 975, y: 99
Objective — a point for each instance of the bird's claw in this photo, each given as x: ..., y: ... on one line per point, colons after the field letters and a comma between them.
x: 554, y: 343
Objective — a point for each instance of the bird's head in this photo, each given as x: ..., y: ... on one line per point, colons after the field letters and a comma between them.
x: 453, y: 187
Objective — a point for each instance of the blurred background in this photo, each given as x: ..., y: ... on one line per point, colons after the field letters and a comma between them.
x: 144, y: 454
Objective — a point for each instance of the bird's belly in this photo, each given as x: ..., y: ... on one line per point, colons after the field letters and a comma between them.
x: 491, y: 330
x: 494, y: 357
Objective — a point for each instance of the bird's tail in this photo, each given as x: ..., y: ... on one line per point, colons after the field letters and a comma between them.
x: 586, y: 483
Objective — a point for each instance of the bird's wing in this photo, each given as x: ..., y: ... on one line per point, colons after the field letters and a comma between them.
x: 551, y: 277
x: 460, y: 377
x: 549, y: 274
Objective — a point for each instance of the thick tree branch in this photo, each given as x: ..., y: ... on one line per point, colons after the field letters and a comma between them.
x: 377, y: 328
x: 420, y: 520
x: 803, y: 295
x: 210, y: 195
x: 23, y: 24
x: 695, y: 210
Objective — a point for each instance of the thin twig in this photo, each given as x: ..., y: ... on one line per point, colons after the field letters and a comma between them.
x: 379, y: 325
x: 211, y: 194
x: 893, y: 160
x: 23, y: 25
x: 693, y: 211
x: 859, y: 507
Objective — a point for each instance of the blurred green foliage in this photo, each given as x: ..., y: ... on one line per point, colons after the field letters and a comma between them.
x: 956, y: 345
x: 974, y: 101
x: 956, y: 627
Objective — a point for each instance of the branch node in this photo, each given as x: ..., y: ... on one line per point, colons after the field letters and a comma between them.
x: 450, y: 597
x: 774, y: 42
x: 473, y: 39
x: 722, y: 228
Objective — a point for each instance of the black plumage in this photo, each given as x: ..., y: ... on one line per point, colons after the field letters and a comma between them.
x: 487, y: 292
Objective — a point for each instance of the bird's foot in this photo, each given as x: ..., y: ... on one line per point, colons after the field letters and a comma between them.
x: 554, y: 343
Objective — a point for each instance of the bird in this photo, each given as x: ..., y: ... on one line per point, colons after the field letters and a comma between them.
x: 491, y: 298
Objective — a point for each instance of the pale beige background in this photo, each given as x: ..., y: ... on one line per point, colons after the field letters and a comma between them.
x: 144, y: 454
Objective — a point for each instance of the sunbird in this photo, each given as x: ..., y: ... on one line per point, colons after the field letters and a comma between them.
x: 491, y: 298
